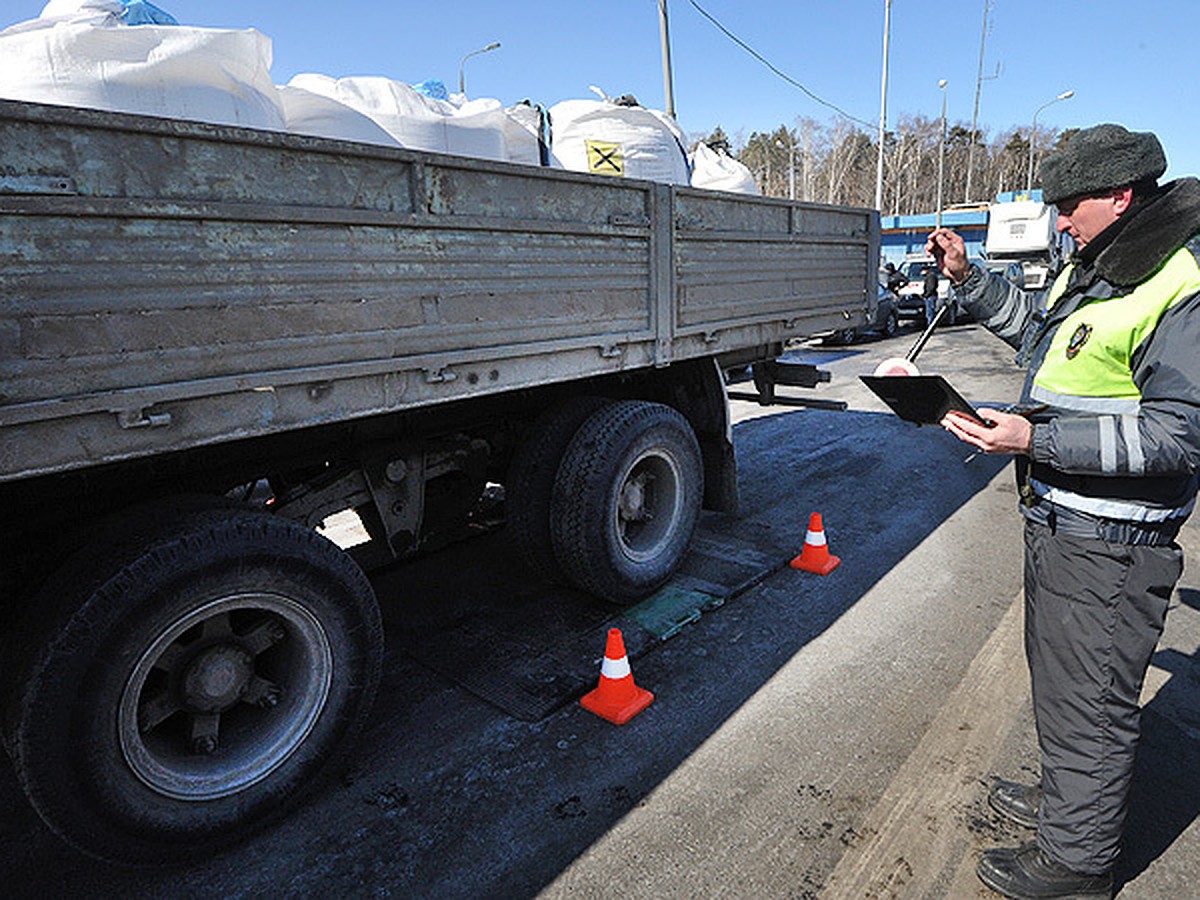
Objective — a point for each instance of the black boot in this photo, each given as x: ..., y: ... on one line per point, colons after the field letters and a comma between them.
x: 1026, y: 873
x: 1016, y: 802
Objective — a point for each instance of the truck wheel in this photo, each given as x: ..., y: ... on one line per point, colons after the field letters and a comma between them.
x: 626, y: 499
x: 530, y: 483
x: 189, y: 686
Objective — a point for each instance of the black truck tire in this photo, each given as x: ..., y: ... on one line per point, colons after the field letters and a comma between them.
x: 530, y: 484
x: 626, y: 499
x: 194, y: 675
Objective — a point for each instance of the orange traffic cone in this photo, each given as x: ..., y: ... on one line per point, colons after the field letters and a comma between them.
x: 815, y: 557
x: 616, y: 698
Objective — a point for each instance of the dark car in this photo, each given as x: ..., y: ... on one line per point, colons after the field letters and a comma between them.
x: 882, y: 317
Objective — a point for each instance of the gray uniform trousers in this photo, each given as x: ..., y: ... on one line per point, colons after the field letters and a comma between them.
x: 1094, y: 612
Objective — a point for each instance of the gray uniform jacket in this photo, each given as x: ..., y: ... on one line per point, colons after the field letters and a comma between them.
x: 1142, y: 463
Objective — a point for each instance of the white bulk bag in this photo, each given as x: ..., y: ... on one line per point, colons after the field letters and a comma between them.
x: 523, y: 133
x: 606, y: 138
x: 718, y: 171
x: 91, y: 10
x: 305, y: 112
x: 89, y: 59
x: 130, y: 12
x: 415, y: 120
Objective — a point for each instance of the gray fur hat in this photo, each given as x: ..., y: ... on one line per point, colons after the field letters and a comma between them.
x: 1099, y: 158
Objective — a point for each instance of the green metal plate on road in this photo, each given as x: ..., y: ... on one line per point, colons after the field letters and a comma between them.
x: 668, y: 610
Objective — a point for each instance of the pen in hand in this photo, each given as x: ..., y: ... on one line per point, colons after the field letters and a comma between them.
x: 1019, y: 409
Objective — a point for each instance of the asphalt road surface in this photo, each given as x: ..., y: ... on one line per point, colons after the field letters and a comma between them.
x: 811, y: 736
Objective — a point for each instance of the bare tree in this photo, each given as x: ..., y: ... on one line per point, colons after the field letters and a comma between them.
x: 1009, y: 159
x: 835, y: 162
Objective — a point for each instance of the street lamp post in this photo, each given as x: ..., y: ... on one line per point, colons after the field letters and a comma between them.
x: 495, y: 45
x: 887, y: 30
x: 792, y: 170
x: 665, y: 36
x: 804, y: 169
x: 1065, y: 95
x: 941, y: 154
x: 791, y: 149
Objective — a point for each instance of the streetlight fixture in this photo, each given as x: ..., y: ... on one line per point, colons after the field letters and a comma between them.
x: 941, y: 154
x: 495, y: 45
x: 1065, y: 95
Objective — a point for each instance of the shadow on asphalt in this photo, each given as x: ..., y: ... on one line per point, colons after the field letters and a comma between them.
x: 448, y: 796
x: 1165, y: 796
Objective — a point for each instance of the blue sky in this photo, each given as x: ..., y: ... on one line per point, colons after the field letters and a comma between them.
x: 1132, y: 63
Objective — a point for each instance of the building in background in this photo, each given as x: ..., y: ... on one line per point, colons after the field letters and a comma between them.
x: 1016, y: 225
x: 903, y: 237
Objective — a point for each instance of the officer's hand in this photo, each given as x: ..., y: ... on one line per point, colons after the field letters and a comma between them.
x: 950, y: 254
x: 1007, y: 434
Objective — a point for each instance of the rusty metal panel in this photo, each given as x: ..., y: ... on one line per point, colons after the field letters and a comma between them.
x: 137, y: 157
x: 463, y: 188
x: 98, y: 303
x: 167, y: 284
x: 803, y: 267
x: 726, y: 282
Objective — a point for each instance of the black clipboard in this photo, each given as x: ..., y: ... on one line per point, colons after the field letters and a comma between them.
x: 923, y: 399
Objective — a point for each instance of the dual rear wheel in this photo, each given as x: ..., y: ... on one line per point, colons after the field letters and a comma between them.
x: 604, y: 495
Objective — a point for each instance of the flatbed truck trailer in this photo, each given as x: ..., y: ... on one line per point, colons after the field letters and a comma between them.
x: 213, y: 339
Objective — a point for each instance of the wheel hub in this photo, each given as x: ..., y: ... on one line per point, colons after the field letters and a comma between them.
x: 225, y: 695
x: 647, y: 505
x: 633, y: 500
x: 217, y: 678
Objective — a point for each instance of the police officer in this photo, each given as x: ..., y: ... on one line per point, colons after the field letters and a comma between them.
x: 1108, y: 473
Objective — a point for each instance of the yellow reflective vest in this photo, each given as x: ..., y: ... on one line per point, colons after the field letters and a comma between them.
x: 1088, y: 365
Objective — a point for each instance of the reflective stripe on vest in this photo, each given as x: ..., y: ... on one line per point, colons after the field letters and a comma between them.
x: 1122, y: 510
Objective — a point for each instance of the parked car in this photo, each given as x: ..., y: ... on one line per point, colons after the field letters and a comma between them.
x: 882, y: 318
x: 911, y: 304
